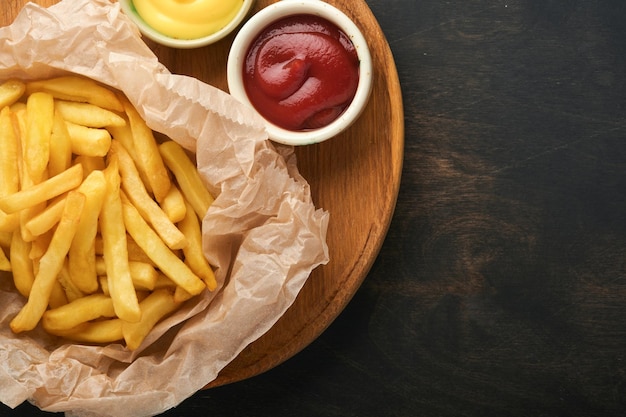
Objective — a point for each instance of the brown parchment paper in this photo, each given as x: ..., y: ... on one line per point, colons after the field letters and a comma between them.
x: 263, y: 233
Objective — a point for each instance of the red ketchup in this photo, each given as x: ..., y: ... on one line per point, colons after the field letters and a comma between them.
x: 301, y: 72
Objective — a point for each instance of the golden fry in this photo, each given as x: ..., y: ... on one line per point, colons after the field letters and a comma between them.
x: 79, y: 311
x: 57, y: 296
x: 46, y: 219
x: 174, y: 205
x: 20, y: 125
x: 124, y: 135
x: 194, y: 255
x: 39, y: 245
x: 88, y: 115
x: 10, y: 92
x: 9, y: 222
x: 149, y: 209
x: 187, y: 176
x: 60, y: 147
x: 18, y: 107
x: 135, y: 253
x: 82, y: 254
x: 115, y: 250
x: 21, y: 264
x: 9, y: 178
x: 9, y: 173
x: 90, y: 163
x: 25, y: 216
x: 88, y: 141
x: 39, y: 121
x: 74, y: 88
x: 181, y: 295
x: 164, y: 282
x: 27, y: 213
x: 71, y: 290
x: 39, y: 193
x: 143, y: 274
x: 154, y: 308
x: 5, y: 239
x: 158, y: 251
x: 50, y: 265
x: 5, y: 264
x: 102, y: 331
x: 149, y: 160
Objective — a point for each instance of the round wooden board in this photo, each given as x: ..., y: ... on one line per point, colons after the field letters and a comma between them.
x: 354, y: 176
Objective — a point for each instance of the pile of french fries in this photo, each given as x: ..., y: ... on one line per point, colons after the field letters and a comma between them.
x: 100, y: 222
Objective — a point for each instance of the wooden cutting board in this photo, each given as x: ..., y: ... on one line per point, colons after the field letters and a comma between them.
x: 354, y: 176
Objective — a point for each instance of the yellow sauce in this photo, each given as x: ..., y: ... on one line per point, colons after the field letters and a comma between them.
x: 187, y: 19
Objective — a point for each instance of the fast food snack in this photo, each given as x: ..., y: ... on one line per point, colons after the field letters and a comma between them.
x: 262, y: 249
x: 53, y: 253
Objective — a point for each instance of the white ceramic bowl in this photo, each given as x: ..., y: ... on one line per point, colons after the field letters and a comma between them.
x: 251, y: 29
x: 129, y: 9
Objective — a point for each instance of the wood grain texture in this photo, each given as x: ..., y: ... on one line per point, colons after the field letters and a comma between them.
x: 355, y: 177
x: 500, y: 290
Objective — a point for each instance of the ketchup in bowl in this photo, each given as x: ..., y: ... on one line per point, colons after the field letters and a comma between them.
x: 301, y: 72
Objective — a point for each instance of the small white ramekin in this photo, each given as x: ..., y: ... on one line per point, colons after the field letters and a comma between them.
x: 149, y: 32
x: 252, y: 28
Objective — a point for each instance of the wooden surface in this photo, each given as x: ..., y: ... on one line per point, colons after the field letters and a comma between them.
x: 500, y: 289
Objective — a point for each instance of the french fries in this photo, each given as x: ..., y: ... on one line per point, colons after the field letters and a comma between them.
x: 100, y: 222
x: 50, y: 266
x: 45, y: 220
x: 9, y: 171
x: 60, y: 146
x: 44, y: 191
x: 156, y: 306
x: 89, y: 115
x: 104, y: 331
x: 10, y: 92
x: 21, y: 264
x: 115, y: 250
x: 149, y: 208
x: 147, y: 154
x: 5, y: 239
x: 5, y: 264
x: 88, y: 141
x: 82, y: 90
x: 187, y: 176
x: 77, y: 312
x: 194, y: 257
x: 39, y: 121
x: 174, y: 205
x: 157, y: 250
x: 82, y: 254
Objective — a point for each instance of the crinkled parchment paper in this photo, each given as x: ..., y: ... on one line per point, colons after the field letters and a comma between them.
x: 263, y: 233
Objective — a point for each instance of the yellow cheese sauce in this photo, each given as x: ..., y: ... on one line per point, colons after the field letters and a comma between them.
x: 187, y: 19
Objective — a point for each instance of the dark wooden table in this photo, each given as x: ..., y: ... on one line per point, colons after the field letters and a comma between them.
x: 501, y: 287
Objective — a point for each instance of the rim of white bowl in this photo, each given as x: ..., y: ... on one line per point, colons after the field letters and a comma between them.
x: 129, y: 9
x: 284, y: 8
